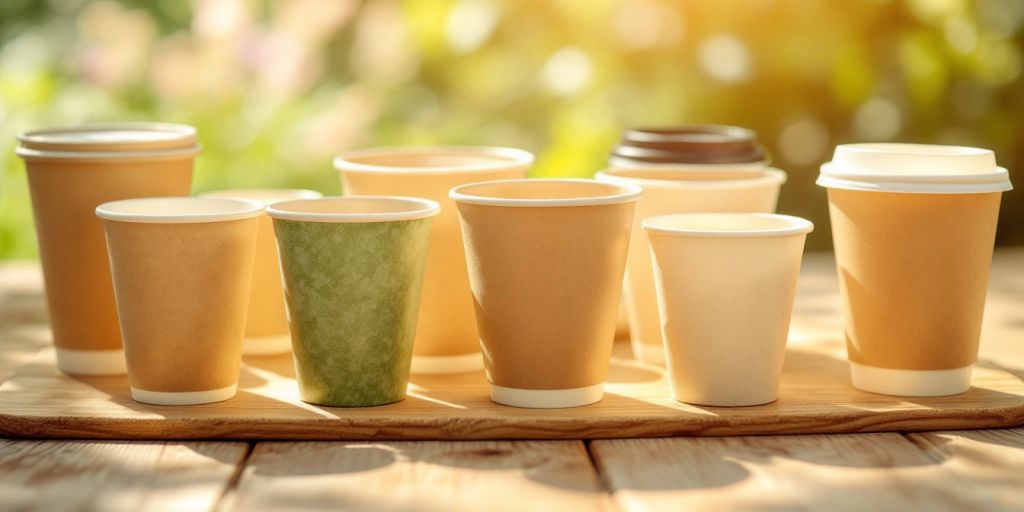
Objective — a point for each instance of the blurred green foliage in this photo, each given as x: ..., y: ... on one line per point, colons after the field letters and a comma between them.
x: 277, y: 88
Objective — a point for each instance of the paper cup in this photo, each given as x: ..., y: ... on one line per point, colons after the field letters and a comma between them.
x: 446, y: 340
x: 353, y: 273
x: 679, y: 191
x: 913, y: 227
x: 546, y: 259
x: 266, y: 326
x: 181, y: 268
x: 726, y: 283
x: 70, y: 172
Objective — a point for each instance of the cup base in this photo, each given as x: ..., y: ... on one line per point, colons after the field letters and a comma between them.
x: 725, y: 403
x: 649, y: 353
x: 887, y: 381
x: 267, y: 345
x: 91, y: 362
x: 434, y: 365
x: 547, y: 398
x: 184, y: 397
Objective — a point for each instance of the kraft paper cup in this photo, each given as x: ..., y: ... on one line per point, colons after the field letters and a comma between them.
x: 353, y: 274
x: 679, y: 191
x: 726, y: 283
x: 70, y: 172
x: 546, y: 259
x: 181, y: 268
x: 266, y: 326
x: 913, y: 227
x: 446, y: 340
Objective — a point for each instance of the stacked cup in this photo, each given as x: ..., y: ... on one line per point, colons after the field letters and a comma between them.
x: 71, y: 171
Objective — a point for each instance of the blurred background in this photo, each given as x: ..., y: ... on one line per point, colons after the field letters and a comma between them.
x: 277, y: 88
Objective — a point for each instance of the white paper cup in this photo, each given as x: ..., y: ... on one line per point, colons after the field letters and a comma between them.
x: 726, y: 283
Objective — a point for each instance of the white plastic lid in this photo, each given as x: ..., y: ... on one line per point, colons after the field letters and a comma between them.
x: 179, y: 210
x: 914, y: 168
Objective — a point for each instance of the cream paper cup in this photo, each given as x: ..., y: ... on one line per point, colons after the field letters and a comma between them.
x: 913, y: 227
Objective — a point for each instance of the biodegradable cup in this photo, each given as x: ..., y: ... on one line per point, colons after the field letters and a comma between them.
x: 679, y: 191
x: 726, y: 283
x: 70, y: 172
x: 266, y: 326
x: 546, y: 259
x: 353, y: 273
x: 181, y: 268
x: 446, y: 339
x: 913, y: 227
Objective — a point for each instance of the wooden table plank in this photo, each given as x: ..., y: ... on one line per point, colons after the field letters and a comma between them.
x: 877, y: 472
x: 990, y: 459
x: 434, y: 476
x: 116, y: 476
x: 23, y: 323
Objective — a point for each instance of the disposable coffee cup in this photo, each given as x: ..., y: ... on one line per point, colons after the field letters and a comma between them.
x: 546, y: 259
x: 913, y: 227
x: 679, y: 191
x: 446, y: 340
x: 692, y: 147
x: 181, y: 268
x: 266, y: 326
x: 726, y: 283
x: 71, y: 171
x: 353, y: 274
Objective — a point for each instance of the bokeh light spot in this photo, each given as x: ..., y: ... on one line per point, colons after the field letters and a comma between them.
x: 803, y: 141
x: 877, y: 119
x: 470, y: 24
x: 725, y: 58
x: 567, y: 71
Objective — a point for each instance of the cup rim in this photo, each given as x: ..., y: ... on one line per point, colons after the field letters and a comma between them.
x: 266, y: 196
x: 771, y: 175
x: 626, y: 193
x: 41, y: 136
x: 218, y: 210
x: 516, y: 158
x: 615, y: 161
x: 42, y: 154
x: 419, y: 208
x: 791, y: 225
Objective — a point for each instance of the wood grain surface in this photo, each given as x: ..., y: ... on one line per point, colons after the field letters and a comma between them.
x: 39, y: 401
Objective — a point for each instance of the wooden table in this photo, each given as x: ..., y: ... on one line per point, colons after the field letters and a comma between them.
x: 972, y: 470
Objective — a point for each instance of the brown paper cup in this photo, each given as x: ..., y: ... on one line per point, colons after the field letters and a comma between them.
x: 679, y: 191
x: 446, y: 337
x: 266, y: 326
x: 913, y: 228
x: 546, y: 259
x: 66, y: 185
x: 181, y: 269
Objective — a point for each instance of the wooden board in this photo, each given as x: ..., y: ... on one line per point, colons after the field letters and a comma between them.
x: 816, y: 398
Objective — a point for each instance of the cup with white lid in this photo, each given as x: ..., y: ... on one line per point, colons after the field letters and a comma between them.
x: 913, y: 227
x: 726, y: 284
x: 266, y: 326
x: 181, y: 269
x: 71, y: 170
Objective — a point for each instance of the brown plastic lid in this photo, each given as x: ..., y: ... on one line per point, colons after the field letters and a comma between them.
x: 111, y: 137
x: 691, y: 144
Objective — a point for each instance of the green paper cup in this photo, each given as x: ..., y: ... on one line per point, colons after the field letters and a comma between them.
x: 353, y: 273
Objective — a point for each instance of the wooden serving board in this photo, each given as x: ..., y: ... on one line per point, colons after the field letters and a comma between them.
x: 38, y: 401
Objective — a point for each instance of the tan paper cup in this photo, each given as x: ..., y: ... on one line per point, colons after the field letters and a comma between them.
x: 546, y: 259
x: 70, y: 172
x: 446, y: 339
x: 266, y: 326
x: 181, y: 268
x: 726, y: 283
x: 679, y: 191
x: 913, y: 227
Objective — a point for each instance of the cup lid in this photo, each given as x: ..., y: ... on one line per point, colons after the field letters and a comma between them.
x: 727, y: 225
x: 264, y: 195
x: 432, y: 159
x: 693, y: 179
x: 105, y: 137
x: 914, y: 168
x: 179, y: 210
x: 690, y: 144
x: 354, y: 209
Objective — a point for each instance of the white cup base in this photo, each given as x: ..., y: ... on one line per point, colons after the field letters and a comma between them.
x: 183, y: 397
x: 91, y: 362
x: 434, y: 365
x: 649, y: 353
x: 267, y: 345
x: 547, y: 398
x: 887, y: 381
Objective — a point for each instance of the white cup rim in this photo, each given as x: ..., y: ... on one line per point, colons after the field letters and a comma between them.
x: 770, y: 175
x: 43, y: 154
x: 44, y: 136
x: 625, y: 193
x: 409, y: 208
x: 702, y: 225
x: 179, y: 210
x: 267, y: 196
x: 513, y: 157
